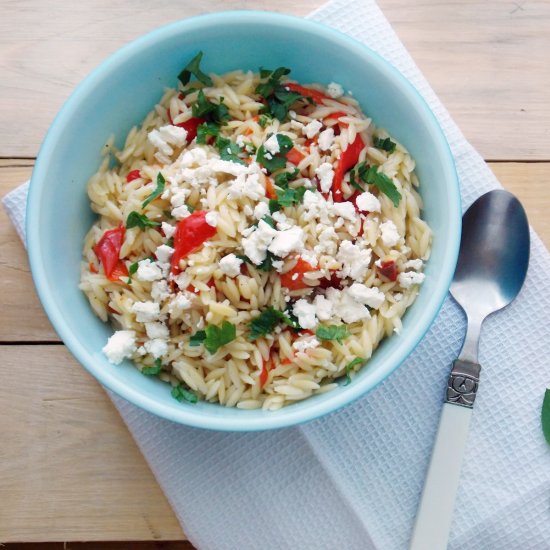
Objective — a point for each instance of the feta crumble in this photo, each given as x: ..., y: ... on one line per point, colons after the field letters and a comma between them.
x: 335, y: 90
x: 389, y: 234
x: 305, y: 312
x: 410, y: 278
x: 325, y: 173
x: 145, y: 311
x: 287, y: 241
x: 231, y: 265
x: 326, y: 139
x: 149, y: 271
x: 120, y: 345
x: 367, y: 202
x: 165, y: 136
x: 312, y: 129
x: 271, y: 145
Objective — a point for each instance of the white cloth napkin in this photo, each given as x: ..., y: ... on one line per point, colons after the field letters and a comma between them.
x: 352, y: 480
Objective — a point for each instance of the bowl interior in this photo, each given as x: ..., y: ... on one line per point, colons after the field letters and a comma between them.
x: 120, y: 93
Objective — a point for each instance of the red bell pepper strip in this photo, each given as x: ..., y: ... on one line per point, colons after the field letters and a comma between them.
x: 190, y: 125
x: 348, y: 159
x: 133, y: 175
x: 270, y: 192
x: 337, y: 116
x: 190, y: 233
x: 108, y: 251
x: 316, y: 95
x: 294, y: 156
x: 294, y: 279
x: 388, y: 268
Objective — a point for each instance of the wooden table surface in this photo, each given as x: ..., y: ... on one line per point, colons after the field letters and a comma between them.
x: 69, y: 469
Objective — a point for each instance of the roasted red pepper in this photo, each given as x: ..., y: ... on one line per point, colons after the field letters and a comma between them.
x: 108, y: 251
x: 133, y: 175
x: 295, y: 156
x: 270, y: 192
x: 294, y: 279
x: 190, y: 233
x: 388, y: 268
x: 348, y: 159
x: 337, y: 116
x: 333, y: 282
x: 316, y: 95
x: 190, y: 125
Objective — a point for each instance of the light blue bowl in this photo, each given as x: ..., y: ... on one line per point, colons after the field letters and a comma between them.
x: 120, y: 92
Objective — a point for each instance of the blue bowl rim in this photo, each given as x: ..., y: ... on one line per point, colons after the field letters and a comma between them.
x: 186, y: 415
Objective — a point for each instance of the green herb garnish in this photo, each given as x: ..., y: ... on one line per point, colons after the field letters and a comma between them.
x: 332, y: 332
x: 385, y: 144
x: 291, y: 197
x: 193, y: 68
x: 350, y: 366
x: 183, y: 394
x: 277, y: 161
x: 205, y: 130
x: 270, y: 221
x: 263, y: 120
x: 283, y: 179
x: 135, y: 219
x: 153, y: 371
x: 266, y: 265
x: 266, y: 322
x: 228, y: 150
x: 545, y: 416
x: 371, y: 176
x: 132, y: 271
x: 159, y: 189
x: 216, y: 113
x: 214, y: 337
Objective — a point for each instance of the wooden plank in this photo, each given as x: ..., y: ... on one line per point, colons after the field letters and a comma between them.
x: 24, y: 320
x: 101, y: 545
x: 69, y: 469
x: 487, y: 61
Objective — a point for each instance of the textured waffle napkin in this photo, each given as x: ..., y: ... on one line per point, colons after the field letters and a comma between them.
x: 352, y: 480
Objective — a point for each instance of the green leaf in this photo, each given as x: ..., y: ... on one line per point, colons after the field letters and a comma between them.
x: 290, y: 197
x: 277, y: 161
x: 264, y: 119
x: 152, y: 371
x: 193, y: 68
x: 266, y: 322
x: 332, y: 332
x: 216, y: 337
x: 371, y: 175
x: 270, y: 221
x: 133, y: 268
x: 274, y: 205
x: 350, y: 366
x: 207, y: 129
x: 283, y: 179
x: 545, y: 416
x: 385, y: 144
x: 183, y: 394
x: 135, y: 219
x: 228, y: 150
x: 217, y: 113
x: 159, y: 189
x: 198, y: 338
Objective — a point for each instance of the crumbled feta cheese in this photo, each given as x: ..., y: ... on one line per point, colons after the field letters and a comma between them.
x: 261, y: 210
x: 181, y: 212
x: 344, y: 209
x: 389, y: 234
x: 164, y: 253
x: 231, y: 265
x: 287, y: 241
x: 309, y: 257
x: 145, y: 311
x: 323, y: 308
x: 335, y: 90
x: 326, y: 139
x: 168, y: 229
x: 368, y: 296
x: 367, y: 202
x: 148, y: 270
x: 312, y: 129
x: 282, y: 220
x: 211, y: 219
x: 271, y: 145
x: 346, y: 306
x: 120, y: 345
x: 303, y: 344
x: 413, y: 264
x: 179, y: 196
x: 325, y: 173
x: 246, y: 186
x: 179, y: 303
x: 160, y: 291
x: 327, y: 242
x: 166, y: 136
x: 305, y: 312
x: 410, y: 278
x: 157, y: 347
x: 355, y: 260
x: 156, y: 330
x: 255, y: 246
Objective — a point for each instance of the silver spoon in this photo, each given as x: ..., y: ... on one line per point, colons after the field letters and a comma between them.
x: 491, y: 269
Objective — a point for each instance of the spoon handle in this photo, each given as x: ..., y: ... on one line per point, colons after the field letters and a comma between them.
x: 435, y: 513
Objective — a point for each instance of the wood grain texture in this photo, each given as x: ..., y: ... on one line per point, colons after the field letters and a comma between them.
x: 487, y: 60
x: 69, y: 468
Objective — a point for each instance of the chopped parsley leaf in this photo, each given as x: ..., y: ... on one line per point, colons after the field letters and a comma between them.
x: 154, y: 370
x: 266, y: 265
x: 133, y: 268
x: 371, y: 176
x: 214, y: 337
x: 350, y: 366
x: 228, y: 150
x: 135, y: 219
x: 266, y: 322
x: 263, y: 120
x: 274, y: 205
x: 183, y: 394
x: 290, y: 197
x: 283, y: 179
x: 159, y: 189
x: 193, y: 68
x: 205, y: 130
x: 217, y: 113
x: 332, y: 332
x: 385, y: 144
x: 277, y: 161
x: 269, y: 220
